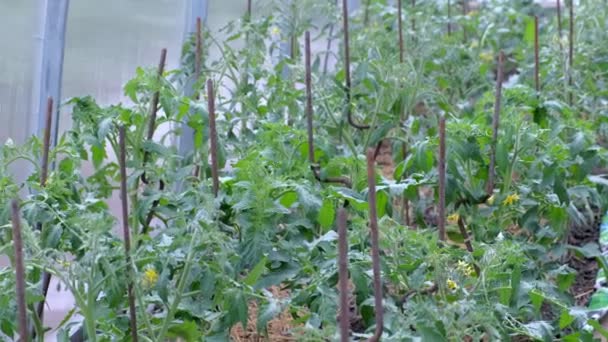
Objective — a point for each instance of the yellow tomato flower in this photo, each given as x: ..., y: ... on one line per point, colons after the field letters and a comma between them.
x: 451, y: 284
x: 469, y: 271
x: 511, y: 199
x: 150, y: 277
x: 275, y: 31
x: 486, y: 56
x: 453, y: 219
x: 490, y: 200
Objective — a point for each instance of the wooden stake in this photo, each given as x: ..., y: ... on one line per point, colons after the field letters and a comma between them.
x: 495, y: 123
x: 373, y: 224
x: 536, y: 58
x: 347, y: 68
x: 343, y: 275
x: 126, y: 232
x: 309, y: 109
x: 19, y: 272
x: 212, y: 137
x: 442, y: 174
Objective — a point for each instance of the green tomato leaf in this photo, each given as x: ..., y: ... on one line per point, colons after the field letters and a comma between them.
x: 327, y: 214
x: 255, y: 274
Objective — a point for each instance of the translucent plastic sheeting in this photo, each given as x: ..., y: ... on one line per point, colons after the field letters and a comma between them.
x: 107, y: 40
x: 16, y: 64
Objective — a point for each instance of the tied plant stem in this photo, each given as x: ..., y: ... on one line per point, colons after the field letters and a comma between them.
x: 347, y: 77
x: 441, y: 171
x: 126, y: 232
x: 343, y: 274
x: 495, y: 124
x: 19, y: 272
x: 373, y: 224
x: 212, y: 137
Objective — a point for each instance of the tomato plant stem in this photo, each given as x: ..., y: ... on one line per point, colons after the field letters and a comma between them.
x: 495, y: 123
x: 126, y: 232
x: 413, y: 20
x: 373, y: 224
x: 571, y: 54
x: 441, y: 171
x: 467, y: 240
x: 536, y: 59
x: 309, y: 109
x: 400, y: 28
x: 343, y: 275
x: 449, y: 18
x: 347, y: 79
x: 559, y: 19
x: 212, y: 137
x: 19, y: 272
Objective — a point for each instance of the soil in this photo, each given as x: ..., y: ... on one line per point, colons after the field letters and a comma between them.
x: 279, y: 328
x: 580, y: 235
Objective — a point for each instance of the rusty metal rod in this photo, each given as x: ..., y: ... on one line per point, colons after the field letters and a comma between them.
x: 343, y: 275
x: 19, y: 272
x: 46, y: 143
x: 442, y: 174
x: 373, y: 224
x: 212, y: 137
x: 495, y: 123
x: 122, y: 159
x: 347, y: 77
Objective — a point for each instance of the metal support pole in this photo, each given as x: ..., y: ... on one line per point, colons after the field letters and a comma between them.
x: 194, y: 9
x: 49, y: 66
